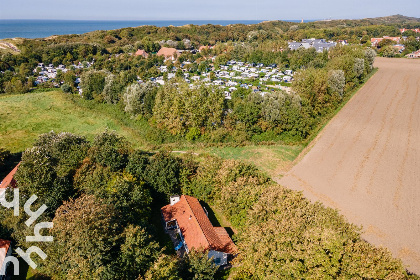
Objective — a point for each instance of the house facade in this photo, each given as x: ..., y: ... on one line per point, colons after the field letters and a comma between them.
x: 415, y: 54
x: 187, y: 222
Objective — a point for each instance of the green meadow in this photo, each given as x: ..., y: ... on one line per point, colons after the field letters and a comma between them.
x: 23, y: 117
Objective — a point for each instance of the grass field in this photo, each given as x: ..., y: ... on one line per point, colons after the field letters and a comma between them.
x: 23, y: 117
x: 274, y: 160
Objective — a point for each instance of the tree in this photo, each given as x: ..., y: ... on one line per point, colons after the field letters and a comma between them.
x: 369, y: 55
x: 92, y: 83
x: 85, y: 231
x: 336, y: 81
x: 140, y: 99
x: 47, y: 169
x: 112, y: 89
x: 359, y: 67
x: 197, y: 266
x: 110, y: 150
x: 137, y: 164
x: 165, y: 268
x: 66, y: 88
x: 163, y: 174
x: 179, y: 108
x: 138, y: 252
x: 248, y: 109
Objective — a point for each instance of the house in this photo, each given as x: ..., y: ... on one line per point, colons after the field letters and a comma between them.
x: 319, y: 44
x: 376, y: 41
x: 142, y: 53
x: 187, y: 222
x: 5, y: 251
x: 201, y: 48
x: 9, y: 181
x: 168, y: 53
x: 400, y: 48
x: 415, y: 54
x: 417, y: 30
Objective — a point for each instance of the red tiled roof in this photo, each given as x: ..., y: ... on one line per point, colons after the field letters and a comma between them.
x: 141, y: 52
x: 4, y: 244
x: 9, y: 181
x: 196, y: 227
x: 166, y: 52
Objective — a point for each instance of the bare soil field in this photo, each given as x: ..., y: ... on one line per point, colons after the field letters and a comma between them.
x: 366, y: 161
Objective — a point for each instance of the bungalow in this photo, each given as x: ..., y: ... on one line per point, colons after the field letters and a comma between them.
x: 187, y: 222
x: 142, y: 53
x: 9, y: 181
x: 5, y: 251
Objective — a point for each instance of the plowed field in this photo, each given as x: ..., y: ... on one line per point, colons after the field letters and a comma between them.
x: 366, y: 161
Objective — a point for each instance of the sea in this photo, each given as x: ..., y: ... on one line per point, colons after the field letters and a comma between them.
x: 11, y: 28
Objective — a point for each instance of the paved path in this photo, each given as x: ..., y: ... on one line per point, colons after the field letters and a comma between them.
x: 366, y: 162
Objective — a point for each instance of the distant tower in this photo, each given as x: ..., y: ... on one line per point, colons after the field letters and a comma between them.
x: 301, y: 21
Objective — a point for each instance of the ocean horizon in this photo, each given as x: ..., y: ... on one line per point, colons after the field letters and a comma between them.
x: 40, y: 28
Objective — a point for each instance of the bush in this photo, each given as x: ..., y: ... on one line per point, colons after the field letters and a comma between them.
x: 66, y: 88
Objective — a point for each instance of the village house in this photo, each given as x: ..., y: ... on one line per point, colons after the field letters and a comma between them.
x: 417, y: 30
x: 415, y: 54
x: 376, y: 41
x: 319, y: 44
x: 5, y: 251
x: 169, y: 53
x: 142, y: 53
x: 187, y: 222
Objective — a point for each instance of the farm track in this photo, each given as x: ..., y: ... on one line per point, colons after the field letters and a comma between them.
x: 366, y: 162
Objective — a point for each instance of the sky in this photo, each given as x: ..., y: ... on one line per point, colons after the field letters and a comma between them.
x: 204, y: 9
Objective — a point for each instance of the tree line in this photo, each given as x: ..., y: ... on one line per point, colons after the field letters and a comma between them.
x: 104, y: 199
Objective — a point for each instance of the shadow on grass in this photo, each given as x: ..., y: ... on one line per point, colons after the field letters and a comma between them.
x: 213, y: 219
x: 26, y: 273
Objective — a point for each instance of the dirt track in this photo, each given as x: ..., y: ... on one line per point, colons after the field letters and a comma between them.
x: 366, y: 162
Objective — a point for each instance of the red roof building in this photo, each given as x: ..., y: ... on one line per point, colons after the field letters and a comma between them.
x: 376, y: 41
x: 417, y: 30
x: 415, y: 54
x: 168, y: 53
x: 5, y: 251
x: 186, y: 215
x: 143, y: 53
x: 9, y: 180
